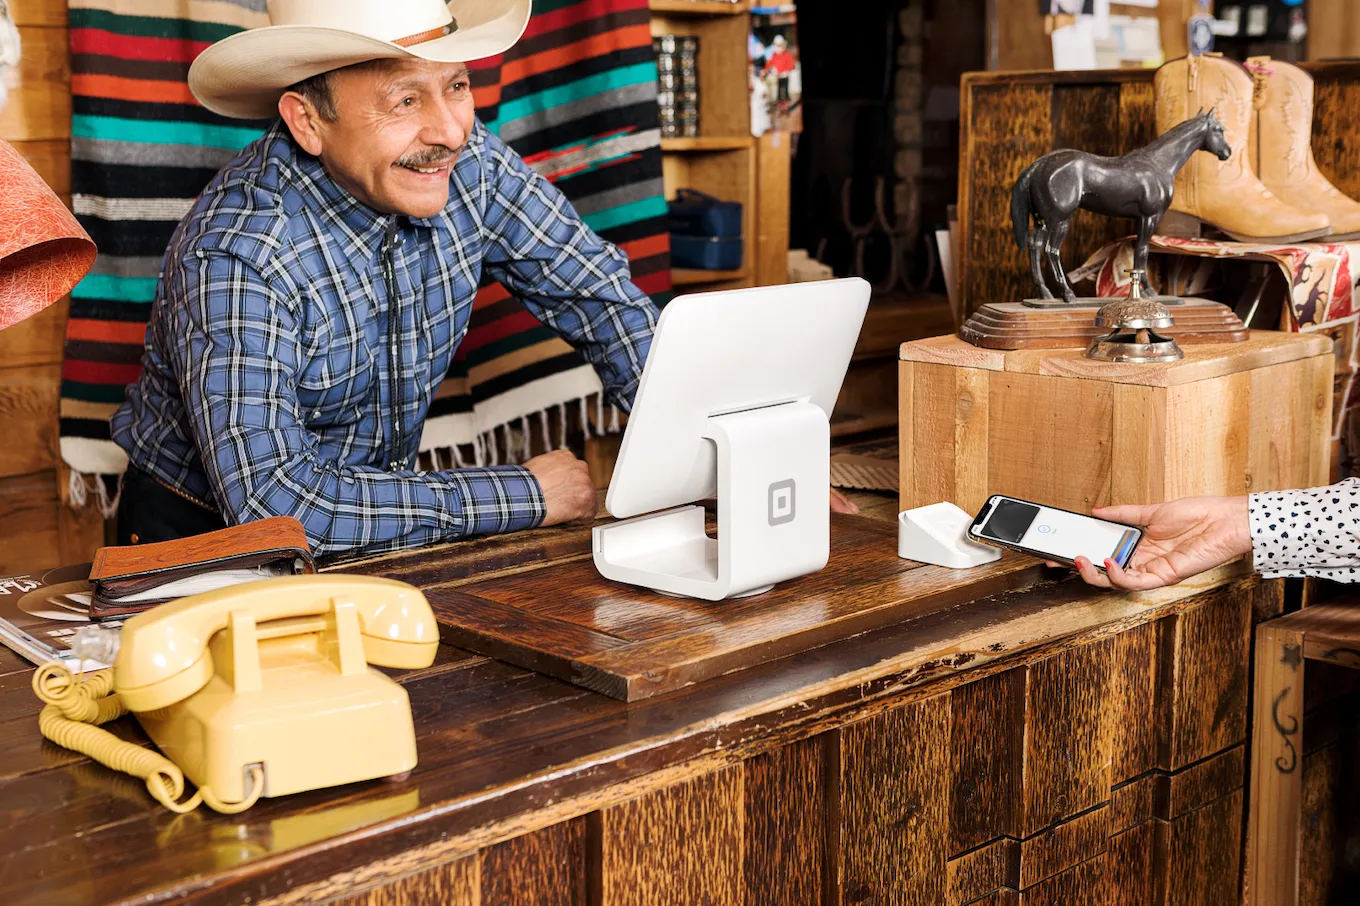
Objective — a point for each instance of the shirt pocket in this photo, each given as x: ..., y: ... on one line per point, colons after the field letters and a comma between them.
x: 336, y: 388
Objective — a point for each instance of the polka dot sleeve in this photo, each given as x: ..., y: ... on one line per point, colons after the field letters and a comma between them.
x: 1308, y: 533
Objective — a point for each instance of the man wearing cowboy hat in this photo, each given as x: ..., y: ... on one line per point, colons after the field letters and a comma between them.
x: 314, y: 296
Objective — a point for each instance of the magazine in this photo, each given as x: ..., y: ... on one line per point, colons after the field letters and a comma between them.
x: 41, y: 610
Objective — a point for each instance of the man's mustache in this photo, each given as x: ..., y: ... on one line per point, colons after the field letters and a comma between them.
x: 432, y: 156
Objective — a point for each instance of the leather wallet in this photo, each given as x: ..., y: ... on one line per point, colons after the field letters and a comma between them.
x: 274, y: 546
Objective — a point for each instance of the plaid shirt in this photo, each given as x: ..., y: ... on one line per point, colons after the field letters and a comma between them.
x: 280, y: 378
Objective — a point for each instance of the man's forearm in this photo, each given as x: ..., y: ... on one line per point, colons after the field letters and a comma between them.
x: 346, y: 509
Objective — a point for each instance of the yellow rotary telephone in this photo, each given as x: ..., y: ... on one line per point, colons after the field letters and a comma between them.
x: 258, y: 689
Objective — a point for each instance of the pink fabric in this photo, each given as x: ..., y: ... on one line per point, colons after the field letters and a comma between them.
x: 43, y: 250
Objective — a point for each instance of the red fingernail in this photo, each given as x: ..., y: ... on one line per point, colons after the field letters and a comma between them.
x: 1108, y: 563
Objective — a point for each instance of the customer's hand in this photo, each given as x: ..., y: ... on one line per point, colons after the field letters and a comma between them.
x: 1180, y: 539
x: 841, y: 504
x: 567, y: 488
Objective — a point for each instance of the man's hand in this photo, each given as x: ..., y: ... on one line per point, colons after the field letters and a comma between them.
x: 566, y: 485
x: 841, y: 504
x: 1180, y: 539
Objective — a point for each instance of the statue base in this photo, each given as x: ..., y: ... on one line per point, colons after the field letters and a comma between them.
x: 1092, y: 302
x: 1016, y: 325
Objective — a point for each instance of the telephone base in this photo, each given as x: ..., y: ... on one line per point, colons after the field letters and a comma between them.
x: 309, y: 726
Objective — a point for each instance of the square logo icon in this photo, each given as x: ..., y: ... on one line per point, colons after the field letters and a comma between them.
x: 783, y: 501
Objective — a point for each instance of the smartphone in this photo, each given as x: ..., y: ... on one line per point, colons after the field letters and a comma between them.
x: 1051, y: 533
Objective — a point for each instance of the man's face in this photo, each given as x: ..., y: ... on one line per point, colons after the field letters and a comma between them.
x: 399, y: 129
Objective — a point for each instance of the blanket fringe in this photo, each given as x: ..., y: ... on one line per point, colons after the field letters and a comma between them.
x: 78, y: 492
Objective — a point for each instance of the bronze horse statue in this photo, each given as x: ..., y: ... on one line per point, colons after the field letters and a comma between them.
x: 1137, y: 186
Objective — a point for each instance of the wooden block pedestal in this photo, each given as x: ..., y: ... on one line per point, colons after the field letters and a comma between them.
x: 1055, y: 427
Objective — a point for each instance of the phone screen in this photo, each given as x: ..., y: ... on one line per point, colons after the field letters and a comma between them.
x: 1059, y: 533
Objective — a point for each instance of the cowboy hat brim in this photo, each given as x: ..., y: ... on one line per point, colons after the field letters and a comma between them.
x: 244, y: 75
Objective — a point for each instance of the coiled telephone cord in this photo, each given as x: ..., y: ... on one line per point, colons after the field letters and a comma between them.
x: 76, y: 704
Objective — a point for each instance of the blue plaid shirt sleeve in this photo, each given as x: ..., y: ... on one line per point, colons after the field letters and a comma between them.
x: 566, y: 275
x: 239, y: 358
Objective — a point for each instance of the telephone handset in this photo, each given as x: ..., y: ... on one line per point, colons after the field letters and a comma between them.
x: 258, y: 689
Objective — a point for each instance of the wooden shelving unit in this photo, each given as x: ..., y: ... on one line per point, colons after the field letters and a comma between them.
x: 722, y: 159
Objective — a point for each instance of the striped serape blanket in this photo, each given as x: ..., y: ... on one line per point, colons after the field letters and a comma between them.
x: 576, y: 98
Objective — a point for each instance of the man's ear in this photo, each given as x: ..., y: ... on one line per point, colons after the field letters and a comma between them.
x: 303, y: 121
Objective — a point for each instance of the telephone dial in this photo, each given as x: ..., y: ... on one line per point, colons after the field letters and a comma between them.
x: 260, y: 689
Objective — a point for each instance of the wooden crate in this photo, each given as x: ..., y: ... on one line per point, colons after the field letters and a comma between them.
x: 1057, y: 428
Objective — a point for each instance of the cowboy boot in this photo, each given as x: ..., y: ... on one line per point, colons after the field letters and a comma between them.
x: 1226, y: 195
x: 1282, y: 149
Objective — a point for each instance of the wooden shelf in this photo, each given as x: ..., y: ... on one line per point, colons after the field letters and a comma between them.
x: 859, y: 422
x: 700, y: 7
x: 684, y: 276
x: 707, y: 143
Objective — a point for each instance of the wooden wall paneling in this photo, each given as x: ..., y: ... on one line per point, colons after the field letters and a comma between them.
x: 1086, y: 884
x: 986, y: 743
x: 1202, y: 783
x: 1137, y: 875
x: 676, y: 847
x: 451, y: 884
x: 36, y: 119
x: 1133, y: 692
x: 888, y: 795
x: 1333, y: 29
x: 1137, y: 115
x: 1207, y: 434
x: 29, y: 535
x: 1335, y: 96
x: 546, y: 867
x: 36, y: 340
x: 28, y: 407
x: 1204, y: 857
x: 38, y: 12
x: 1074, y: 476
x: 785, y: 825
x: 1006, y: 128
x: 1276, y: 785
x: 1318, y: 827
x: 983, y: 871
x: 52, y: 160
x: 1059, y: 848
x: 1015, y: 35
x: 39, y: 105
x: 1069, y: 735
x: 1205, y: 676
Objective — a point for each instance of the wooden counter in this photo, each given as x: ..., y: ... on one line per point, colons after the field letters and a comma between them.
x: 1047, y: 745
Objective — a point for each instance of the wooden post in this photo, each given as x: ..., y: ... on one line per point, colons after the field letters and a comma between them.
x: 1276, y: 769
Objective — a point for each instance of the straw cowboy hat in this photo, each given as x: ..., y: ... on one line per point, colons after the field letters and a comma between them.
x: 244, y: 75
